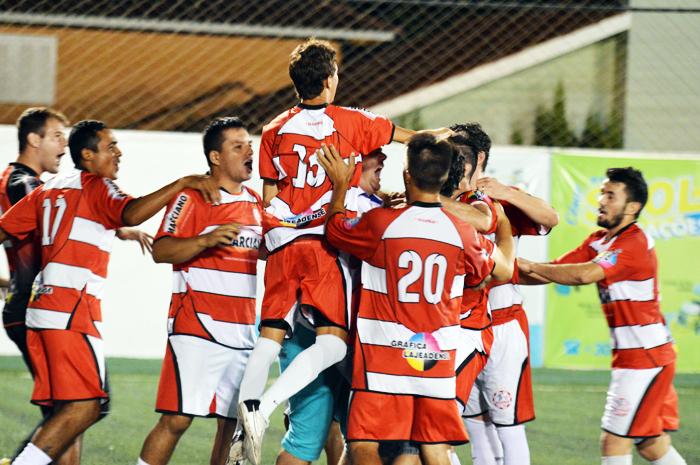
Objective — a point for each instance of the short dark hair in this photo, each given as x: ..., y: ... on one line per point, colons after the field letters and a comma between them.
x: 213, y: 135
x: 84, y: 136
x: 457, y: 169
x: 429, y: 161
x: 635, y: 185
x: 310, y: 64
x: 479, y: 140
x: 33, y: 120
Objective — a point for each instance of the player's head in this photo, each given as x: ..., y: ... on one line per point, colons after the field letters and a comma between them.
x: 372, y: 165
x: 467, y: 154
x: 93, y: 148
x: 480, y: 141
x: 622, y: 198
x: 313, y: 69
x: 428, y: 162
x: 457, y: 169
x: 41, y: 130
x: 229, y: 149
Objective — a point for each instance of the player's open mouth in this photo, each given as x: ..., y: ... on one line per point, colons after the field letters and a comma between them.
x: 249, y: 164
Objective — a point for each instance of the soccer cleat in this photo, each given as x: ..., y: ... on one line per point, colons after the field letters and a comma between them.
x: 254, y: 425
x: 236, y: 456
x: 5, y: 461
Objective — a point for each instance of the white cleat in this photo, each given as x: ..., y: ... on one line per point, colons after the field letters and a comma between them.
x: 236, y: 456
x: 254, y: 425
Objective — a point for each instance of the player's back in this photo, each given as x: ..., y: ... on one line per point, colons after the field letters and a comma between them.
x: 287, y: 157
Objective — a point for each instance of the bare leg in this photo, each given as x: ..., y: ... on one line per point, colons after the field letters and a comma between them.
x: 334, y: 444
x: 71, y: 456
x: 161, y: 441
x: 364, y: 453
x: 654, y: 448
x: 222, y: 440
x: 69, y: 421
x: 435, y: 454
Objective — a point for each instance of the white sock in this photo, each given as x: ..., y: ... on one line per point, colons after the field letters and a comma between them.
x: 454, y: 459
x: 486, y: 446
x: 617, y: 460
x: 305, y: 368
x: 672, y: 457
x: 515, y: 448
x: 141, y: 462
x: 258, y: 368
x: 32, y: 455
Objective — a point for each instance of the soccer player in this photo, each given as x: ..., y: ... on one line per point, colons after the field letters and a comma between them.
x: 501, y: 399
x: 417, y: 260
x: 211, y: 323
x: 642, y: 405
x: 302, y: 266
x: 42, y: 144
x: 77, y: 214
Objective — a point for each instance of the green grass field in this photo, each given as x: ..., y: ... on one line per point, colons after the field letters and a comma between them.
x: 568, y: 405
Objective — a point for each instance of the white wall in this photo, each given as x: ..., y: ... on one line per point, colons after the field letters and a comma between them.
x: 137, y: 295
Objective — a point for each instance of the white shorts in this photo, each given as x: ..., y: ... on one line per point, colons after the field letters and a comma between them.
x: 200, y: 377
x: 641, y: 403
x: 503, y: 389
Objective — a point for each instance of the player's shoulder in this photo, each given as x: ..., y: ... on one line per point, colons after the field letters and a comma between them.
x: 276, y: 124
x: 253, y: 194
x: 634, y: 237
x: 352, y: 112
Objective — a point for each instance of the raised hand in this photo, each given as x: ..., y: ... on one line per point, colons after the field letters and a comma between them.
x: 336, y: 169
x: 223, y: 235
x: 132, y: 234
x: 206, y: 186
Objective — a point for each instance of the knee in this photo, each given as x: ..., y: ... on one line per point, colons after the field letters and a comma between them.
x: 654, y: 448
x: 175, y: 425
x: 611, y: 445
x: 334, y: 348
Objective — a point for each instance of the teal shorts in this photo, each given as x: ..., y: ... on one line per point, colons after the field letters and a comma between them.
x: 312, y: 408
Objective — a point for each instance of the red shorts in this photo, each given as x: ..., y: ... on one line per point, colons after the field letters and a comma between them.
x: 641, y: 403
x: 68, y: 366
x: 308, y: 271
x: 472, y: 355
x: 386, y: 417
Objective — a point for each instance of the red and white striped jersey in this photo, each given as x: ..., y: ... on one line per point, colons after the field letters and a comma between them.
x: 287, y: 156
x: 629, y: 295
x: 214, y: 292
x: 505, y: 299
x: 475, y: 313
x: 417, y: 261
x: 77, y: 214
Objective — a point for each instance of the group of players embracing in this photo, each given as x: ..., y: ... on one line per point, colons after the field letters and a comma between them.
x: 397, y: 318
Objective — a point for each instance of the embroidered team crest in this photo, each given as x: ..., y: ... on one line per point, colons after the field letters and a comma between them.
x: 502, y: 399
x: 621, y: 407
x: 607, y: 259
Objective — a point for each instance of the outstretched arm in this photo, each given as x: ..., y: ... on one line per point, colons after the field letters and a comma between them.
x: 535, y: 208
x: 143, y: 208
x: 505, y: 253
x: 478, y: 216
x: 402, y: 135
x: 570, y: 274
x: 132, y: 234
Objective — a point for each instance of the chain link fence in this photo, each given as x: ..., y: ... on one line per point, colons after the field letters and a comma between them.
x: 589, y: 73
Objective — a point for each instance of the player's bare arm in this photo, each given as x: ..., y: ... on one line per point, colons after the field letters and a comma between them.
x: 402, y: 135
x: 145, y: 240
x: 535, y: 208
x: 480, y: 219
x: 571, y: 274
x: 504, y: 256
x: 180, y: 249
x: 527, y: 277
x: 143, y: 208
x: 270, y: 191
x: 339, y: 174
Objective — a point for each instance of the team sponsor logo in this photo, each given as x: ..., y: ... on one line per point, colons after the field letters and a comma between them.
x: 422, y: 351
x: 171, y: 219
x: 621, y: 407
x: 350, y: 223
x: 426, y: 220
x: 247, y: 239
x: 113, y: 190
x: 302, y: 220
x: 502, y: 399
x: 314, y: 124
x: 607, y: 259
x: 367, y: 113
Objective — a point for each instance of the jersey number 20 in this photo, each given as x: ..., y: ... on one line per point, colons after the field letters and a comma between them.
x: 418, y: 268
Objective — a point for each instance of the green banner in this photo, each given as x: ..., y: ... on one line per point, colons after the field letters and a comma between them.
x: 576, y: 333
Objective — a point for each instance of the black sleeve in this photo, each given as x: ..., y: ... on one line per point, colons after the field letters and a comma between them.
x: 21, y: 185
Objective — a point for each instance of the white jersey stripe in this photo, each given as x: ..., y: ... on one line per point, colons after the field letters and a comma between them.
x: 387, y: 333
x: 636, y: 291
x: 424, y: 223
x: 222, y: 282
x: 237, y: 335
x: 638, y: 337
x: 504, y: 296
x: 373, y: 278
x: 38, y: 318
x: 69, y: 180
x: 73, y: 277
x: 179, y: 281
x: 93, y: 233
x: 441, y: 388
x: 457, y: 287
